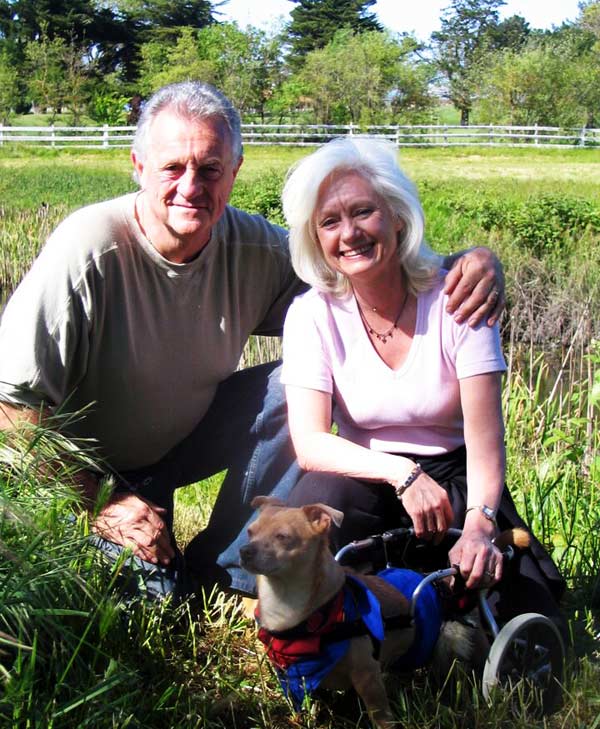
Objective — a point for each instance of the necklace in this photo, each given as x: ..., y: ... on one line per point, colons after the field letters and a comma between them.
x: 381, y: 336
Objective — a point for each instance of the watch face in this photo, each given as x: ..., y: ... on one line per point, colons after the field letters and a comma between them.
x: 489, y: 513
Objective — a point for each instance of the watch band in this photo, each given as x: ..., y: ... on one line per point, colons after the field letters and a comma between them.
x: 487, y: 511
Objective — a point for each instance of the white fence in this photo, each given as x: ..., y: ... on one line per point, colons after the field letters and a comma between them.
x: 105, y: 137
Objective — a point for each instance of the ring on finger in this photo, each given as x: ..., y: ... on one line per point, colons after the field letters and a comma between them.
x: 494, y: 293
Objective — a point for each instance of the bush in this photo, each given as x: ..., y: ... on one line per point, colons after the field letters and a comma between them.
x: 544, y: 225
x: 261, y: 195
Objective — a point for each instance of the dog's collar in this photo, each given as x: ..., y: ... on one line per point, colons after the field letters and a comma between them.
x: 321, y: 621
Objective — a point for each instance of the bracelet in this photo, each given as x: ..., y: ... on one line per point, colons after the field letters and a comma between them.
x: 410, y: 479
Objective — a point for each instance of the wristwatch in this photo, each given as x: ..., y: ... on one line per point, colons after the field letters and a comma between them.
x: 487, y: 511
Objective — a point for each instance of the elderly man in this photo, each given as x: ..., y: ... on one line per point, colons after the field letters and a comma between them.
x: 135, y: 315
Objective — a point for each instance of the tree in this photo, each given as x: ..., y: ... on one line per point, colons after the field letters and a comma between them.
x: 153, y: 14
x: 45, y: 73
x: 111, y: 32
x: 315, y: 22
x: 27, y: 20
x: 76, y: 81
x: 244, y: 65
x: 181, y: 61
x: 590, y: 20
x: 56, y: 75
x: 537, y: 85
x: 355, y: 77
x: 286, y: 97
x: 9, y: 87
x: 465, y: 25
x: 511, y: 33
x: 137, y: 22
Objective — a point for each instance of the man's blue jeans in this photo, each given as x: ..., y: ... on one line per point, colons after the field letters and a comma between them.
x: 244, y: 431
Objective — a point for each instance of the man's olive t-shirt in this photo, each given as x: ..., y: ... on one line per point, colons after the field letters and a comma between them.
x: 103, y: 324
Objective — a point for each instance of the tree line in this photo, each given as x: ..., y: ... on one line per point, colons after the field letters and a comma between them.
x: 332, y: 62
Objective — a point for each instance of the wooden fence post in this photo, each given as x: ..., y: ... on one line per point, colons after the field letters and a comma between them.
x: 105, y: 137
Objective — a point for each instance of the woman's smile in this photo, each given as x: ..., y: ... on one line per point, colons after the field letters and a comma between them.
x: 359, y: 251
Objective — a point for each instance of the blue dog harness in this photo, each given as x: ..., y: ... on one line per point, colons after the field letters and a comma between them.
x: 304, y: 655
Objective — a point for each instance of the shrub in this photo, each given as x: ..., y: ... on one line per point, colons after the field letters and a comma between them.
x: 544, y: 225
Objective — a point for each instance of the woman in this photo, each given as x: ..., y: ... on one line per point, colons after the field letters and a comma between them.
x: 415, y: 396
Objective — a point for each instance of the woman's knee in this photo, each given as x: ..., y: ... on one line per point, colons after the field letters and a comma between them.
x: 327, y: 488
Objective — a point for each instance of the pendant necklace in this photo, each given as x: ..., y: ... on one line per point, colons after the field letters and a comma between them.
x: 381, y: 336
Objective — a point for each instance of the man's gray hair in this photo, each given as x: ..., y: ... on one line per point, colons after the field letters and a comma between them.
x: 193, y: 100
x: 377, y: 161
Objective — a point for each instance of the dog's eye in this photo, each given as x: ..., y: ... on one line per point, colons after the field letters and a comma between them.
x: 282, y: 537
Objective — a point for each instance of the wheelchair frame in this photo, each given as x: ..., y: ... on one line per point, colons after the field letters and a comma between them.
x: 527, y: 651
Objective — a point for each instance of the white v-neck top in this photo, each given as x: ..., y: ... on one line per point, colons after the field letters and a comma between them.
x: 414, y: 409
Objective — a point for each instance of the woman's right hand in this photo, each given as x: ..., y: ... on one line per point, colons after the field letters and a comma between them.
x: 428, y: 506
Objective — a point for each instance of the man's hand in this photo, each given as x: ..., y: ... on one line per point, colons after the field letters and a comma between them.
x: 133, y: 522
x: 475, y: 287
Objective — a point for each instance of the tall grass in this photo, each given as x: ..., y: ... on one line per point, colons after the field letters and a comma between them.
x: 75, y: 651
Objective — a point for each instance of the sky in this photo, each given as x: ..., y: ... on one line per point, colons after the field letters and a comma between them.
x: 419, y: 16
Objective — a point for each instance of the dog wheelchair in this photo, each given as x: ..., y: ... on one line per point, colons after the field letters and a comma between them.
x: 526, y: 654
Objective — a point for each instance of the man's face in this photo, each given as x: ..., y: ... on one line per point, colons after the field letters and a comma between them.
x: 186, y: 179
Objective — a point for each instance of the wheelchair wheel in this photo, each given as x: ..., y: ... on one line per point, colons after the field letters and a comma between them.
x: 527, y: 654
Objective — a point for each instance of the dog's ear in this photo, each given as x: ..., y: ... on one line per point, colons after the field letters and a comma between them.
x: 259, y: 501
x: 321, y: 516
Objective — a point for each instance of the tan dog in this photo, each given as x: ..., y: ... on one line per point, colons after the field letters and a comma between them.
x: 289, y: 552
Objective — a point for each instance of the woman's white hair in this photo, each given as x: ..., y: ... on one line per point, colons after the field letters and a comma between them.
x: 377, y: 161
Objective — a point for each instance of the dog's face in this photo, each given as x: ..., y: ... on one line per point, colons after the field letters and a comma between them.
x: 282, y: 538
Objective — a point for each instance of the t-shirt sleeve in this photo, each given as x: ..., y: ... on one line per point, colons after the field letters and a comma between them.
x: 478, y: 350
x: 279, y: 284
x: 272, y: 323
x: 306, y: 362
x: 43, y: 337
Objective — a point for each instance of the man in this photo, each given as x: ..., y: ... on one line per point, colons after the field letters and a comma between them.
x: 135, y: 315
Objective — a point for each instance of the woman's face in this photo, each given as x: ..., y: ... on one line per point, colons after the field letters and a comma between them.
x: 357, y: 232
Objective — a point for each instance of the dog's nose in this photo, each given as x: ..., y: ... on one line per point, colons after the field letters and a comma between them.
x: 247, y: 552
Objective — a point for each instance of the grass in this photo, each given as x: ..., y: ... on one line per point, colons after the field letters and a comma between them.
x: 76, y: 652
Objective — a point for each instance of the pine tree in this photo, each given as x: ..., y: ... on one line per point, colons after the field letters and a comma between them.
x: 315, y: 22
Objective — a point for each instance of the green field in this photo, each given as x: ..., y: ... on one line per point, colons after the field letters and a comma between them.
x: 72, y: 654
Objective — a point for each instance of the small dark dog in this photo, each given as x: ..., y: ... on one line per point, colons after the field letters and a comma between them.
x: 323, y: 625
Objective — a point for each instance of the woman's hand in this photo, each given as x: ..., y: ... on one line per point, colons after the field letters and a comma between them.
x: 428, y: 506
x: 479, y: 561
